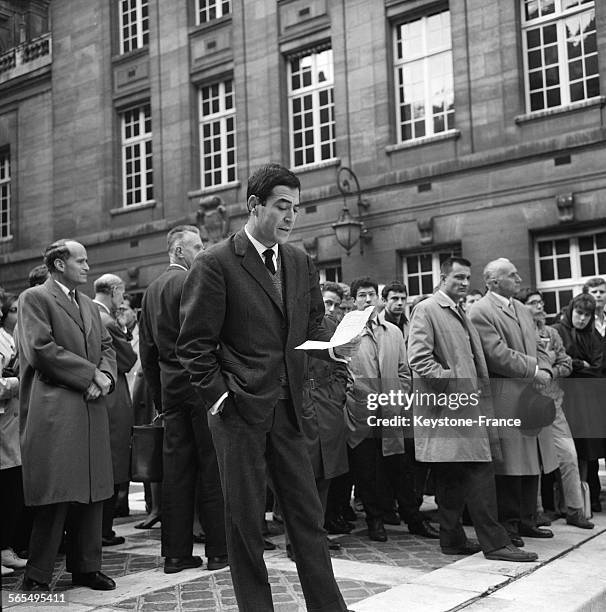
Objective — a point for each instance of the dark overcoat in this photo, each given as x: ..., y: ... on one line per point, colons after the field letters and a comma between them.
x: 119, y: 404
x: 323, y: 421
x: 65, y: 445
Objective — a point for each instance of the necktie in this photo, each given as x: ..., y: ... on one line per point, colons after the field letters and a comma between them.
x: 268, y: 255
x: 72, y: 297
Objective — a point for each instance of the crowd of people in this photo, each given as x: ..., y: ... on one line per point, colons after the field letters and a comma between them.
x: 252, y: 423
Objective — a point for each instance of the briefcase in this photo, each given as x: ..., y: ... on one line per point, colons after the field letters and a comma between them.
x: 146, y: 452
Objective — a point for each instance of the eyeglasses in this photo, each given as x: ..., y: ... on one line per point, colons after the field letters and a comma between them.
x: 535, y: 303
x: 12, y: 309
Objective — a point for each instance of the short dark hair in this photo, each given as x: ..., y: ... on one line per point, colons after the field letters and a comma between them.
x: 526, y: 292
x: 363, y: 281
x: 447, y: 265
x: 583, y: 302
x: 596, y: 281
x: 8, y: 299
x: 37, y: 275
x: 334, y: 287
x: 56, y: 250
x: 395, y: 286
x: 263, y: 180
x: 177, y: 232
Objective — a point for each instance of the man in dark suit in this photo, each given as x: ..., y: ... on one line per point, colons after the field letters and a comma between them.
x: 515, y: 359
x: 109, y: 294
x: 247, y: 303
x: 445, y: 355
x: 189, y: 454
x: 67, y: 367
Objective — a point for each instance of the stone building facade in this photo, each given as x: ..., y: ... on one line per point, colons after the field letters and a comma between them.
x: 472, y: 126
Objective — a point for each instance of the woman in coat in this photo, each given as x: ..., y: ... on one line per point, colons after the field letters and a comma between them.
x: 11, y: 483
x: 582, y: 400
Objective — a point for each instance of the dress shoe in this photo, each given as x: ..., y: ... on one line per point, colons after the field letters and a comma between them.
x: 516, y: 540
x: 33, y: 586
x: 575, y: 518
x: 112, y: 540
x: 337, y: 526
x: 10, y: 559
x: 535, y: 532
x: 149, y: 522
x: 172, y: 565
x: 217, y: 563
x: 376, y: 530
x: 425, y: 529
x: 470, y: 547
x: 333, y: 544
x: 511, y: 553
x: 97, y: 581
x: 391, y: 518
x: 268, y: 544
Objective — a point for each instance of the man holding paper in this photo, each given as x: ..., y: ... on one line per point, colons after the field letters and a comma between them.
x: 246, y: 304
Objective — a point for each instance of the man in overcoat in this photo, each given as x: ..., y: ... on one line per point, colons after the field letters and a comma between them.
x: 445, y: 355
x: 515, y: 359
x: 109, y: 293
x: 189, y: 455
x: 247, y: 303
x: 68, y: 366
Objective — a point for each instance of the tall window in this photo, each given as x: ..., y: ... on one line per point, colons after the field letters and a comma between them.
x: 217, y: 134
x: 5, y: 196
x: 422, y: 270
x: 137, y: 169
x: 207, y: 10
x: 134, y: 25
x: 560, y: 52
x: 311, y: 108
x: 563, y: 264
x: 423, y: 77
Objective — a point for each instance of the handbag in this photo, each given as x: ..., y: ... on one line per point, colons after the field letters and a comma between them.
x: 146, y: 452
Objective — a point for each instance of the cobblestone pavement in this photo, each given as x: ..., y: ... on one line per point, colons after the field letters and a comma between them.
x: 363, y: 569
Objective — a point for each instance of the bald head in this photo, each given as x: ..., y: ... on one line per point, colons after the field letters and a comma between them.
x: 501, y: 276
x: 109, y: 290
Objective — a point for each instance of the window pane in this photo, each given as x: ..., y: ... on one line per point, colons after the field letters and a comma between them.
x: 587, y: 265
x: 546, y: 267
x: 563, y: 268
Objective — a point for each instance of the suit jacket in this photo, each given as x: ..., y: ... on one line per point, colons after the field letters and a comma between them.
x: 65, y: 445
x: 512, y: 351
x: 236, y: 333
x: 445, y: 356
x: 388, y: 371
x: 158, y: 332
x: 119, y: 405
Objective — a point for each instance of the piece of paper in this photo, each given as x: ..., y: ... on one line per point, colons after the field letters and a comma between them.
x: 350, y: 326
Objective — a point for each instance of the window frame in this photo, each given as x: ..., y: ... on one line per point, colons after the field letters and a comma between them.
x: 449, y: 116
x: 558, y: 17
x: 335, y: 265
x: 218, y: 5
x: 141, y: 23
x: 576, y: 281
x: 222, y: 116
x: 5, y: 196
x: 447, y: 250
x: 139, y: 142
x: 315, y: 89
